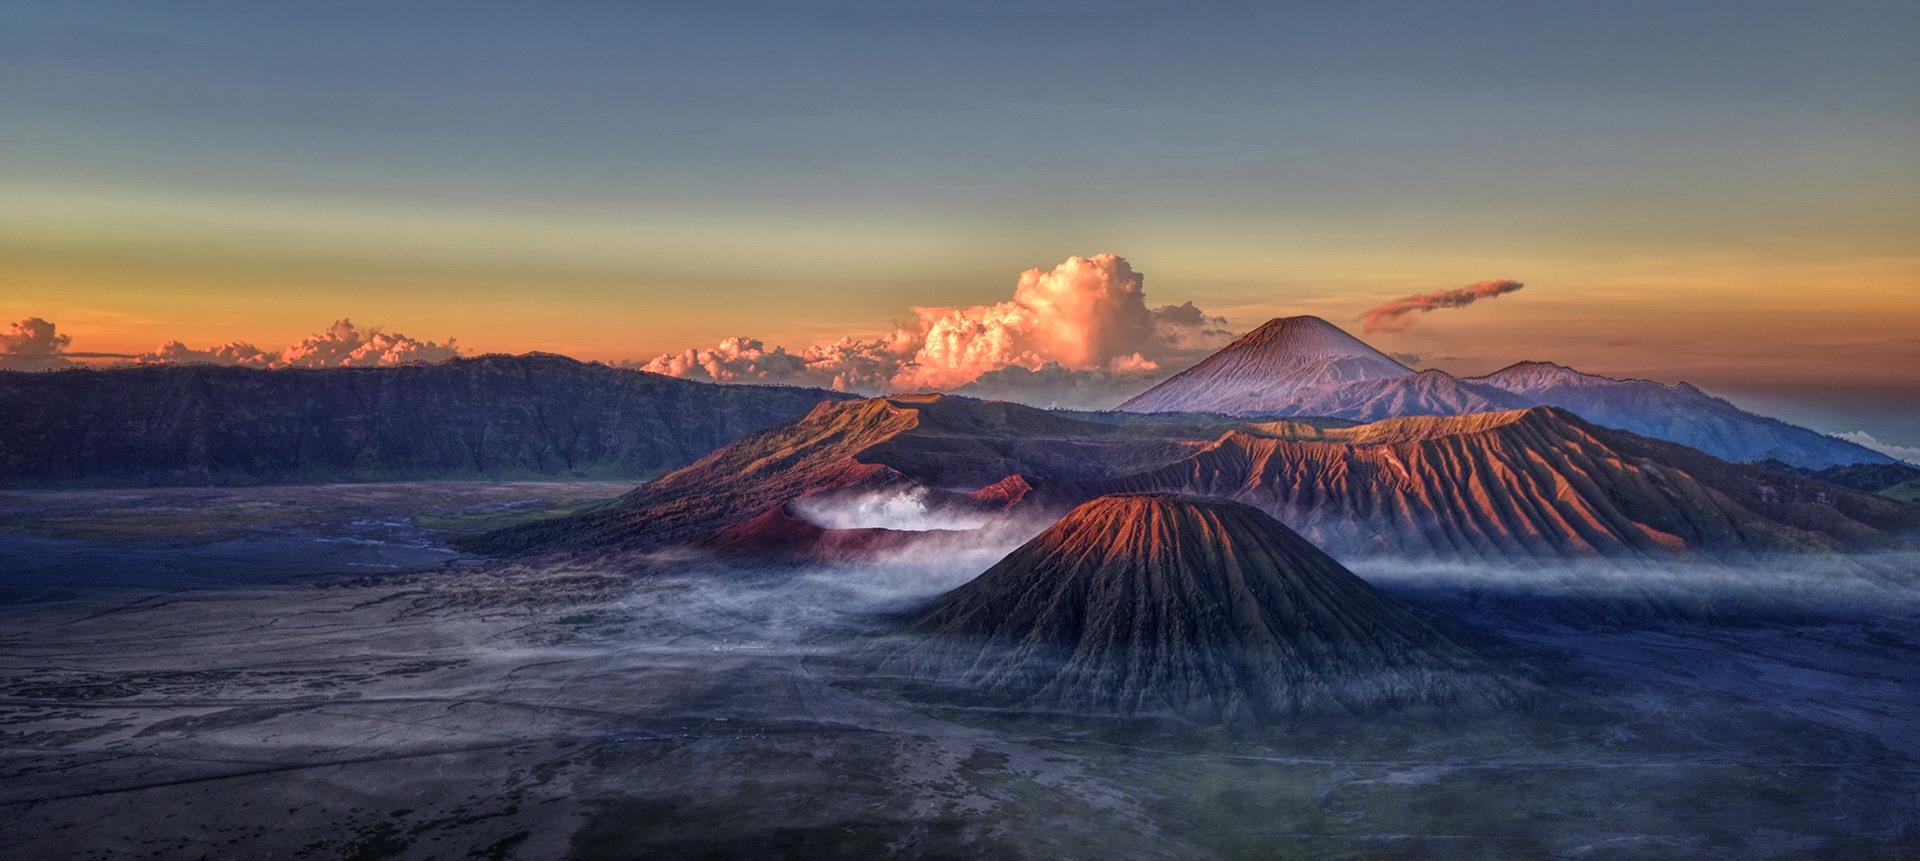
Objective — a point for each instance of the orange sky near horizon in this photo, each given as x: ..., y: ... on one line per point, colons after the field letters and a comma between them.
x: 1793, y: 314
x: 1727, y: 194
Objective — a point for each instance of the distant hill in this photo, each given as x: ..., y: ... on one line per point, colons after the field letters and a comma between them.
x: 1899, y: 481
x: 493, y: 417
x: 1203, y: 610
x: 1679, y: 413
x: 1305, y: 366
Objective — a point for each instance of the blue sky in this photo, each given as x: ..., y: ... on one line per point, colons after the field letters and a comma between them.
x: 619, y: 179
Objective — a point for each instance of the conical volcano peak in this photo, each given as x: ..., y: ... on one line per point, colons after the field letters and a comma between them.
x: 1271, y: 364
x: 1305, y: 337
x: 1174, y: 530
x: 1201, y: 609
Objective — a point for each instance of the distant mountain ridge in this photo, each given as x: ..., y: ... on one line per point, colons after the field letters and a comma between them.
x: 497, y: 417
x: 1539, y: 484
x: 1305, y: 366
x: 1680, y: 413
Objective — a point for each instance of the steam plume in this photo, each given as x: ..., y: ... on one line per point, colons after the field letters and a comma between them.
x: 1392, y: 317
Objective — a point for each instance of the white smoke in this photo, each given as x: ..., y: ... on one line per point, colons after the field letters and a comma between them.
x: 903, y: 510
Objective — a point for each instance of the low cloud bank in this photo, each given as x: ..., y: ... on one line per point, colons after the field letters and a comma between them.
x: 1605, y: 595
x: 1078, y: 335
x: 1401, y: 313
x: 341, y: 345
x: 1910, y: 454
x: 35, y: 344
x: 1783, y: 586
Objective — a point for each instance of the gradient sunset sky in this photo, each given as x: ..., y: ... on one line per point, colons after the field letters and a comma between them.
x: 1722, y: 192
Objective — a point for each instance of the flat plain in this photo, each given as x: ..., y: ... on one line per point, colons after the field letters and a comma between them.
x: 312, y: 672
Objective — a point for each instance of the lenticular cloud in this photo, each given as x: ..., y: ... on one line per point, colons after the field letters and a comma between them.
x: 1081, y: 326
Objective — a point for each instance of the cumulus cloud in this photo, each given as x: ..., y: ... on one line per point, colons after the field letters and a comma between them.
x: 1394, y: 316
x: 1083, y: 314
x: 1081, y: 326
x: 341, y: 345
x: 848, y: 365
x: 1054, y: 387
x: 1183, y: 329
x: 1910, y: 454
x: 33, y: 344
x: 237, y: 353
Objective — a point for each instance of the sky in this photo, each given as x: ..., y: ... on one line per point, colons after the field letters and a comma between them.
x: 1726, y: 193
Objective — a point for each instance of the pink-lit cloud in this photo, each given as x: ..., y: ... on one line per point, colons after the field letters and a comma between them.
x: 238, y: 353
x: 341, y: 345
x: 1395, y: 316
x: 33, y: 344
x: 848, y: 365
x: 1080, y: 327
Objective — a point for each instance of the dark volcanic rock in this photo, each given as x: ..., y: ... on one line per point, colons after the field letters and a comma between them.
x: 778, y: 537
x: 499, y: 417
x: 1158, y: 605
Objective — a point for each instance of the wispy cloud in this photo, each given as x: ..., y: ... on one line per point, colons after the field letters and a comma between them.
x: 1394, y: 316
